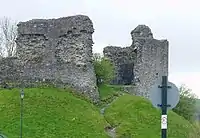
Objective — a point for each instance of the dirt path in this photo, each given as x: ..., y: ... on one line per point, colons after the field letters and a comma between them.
x: 111, y: 131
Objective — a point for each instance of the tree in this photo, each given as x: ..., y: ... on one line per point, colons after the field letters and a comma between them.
x: 8, y: 34
x: 104, y: 69
x: 187, y: 104
x: 1, y: 49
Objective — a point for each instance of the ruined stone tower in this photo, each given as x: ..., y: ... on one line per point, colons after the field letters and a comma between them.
x: 55, y: 50
x: 59, y: 50
x: 141, y: 64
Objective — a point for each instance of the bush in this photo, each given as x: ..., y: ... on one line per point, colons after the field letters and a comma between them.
x: 104, y: 69
x: 195, y: 133
x: 187, y: 104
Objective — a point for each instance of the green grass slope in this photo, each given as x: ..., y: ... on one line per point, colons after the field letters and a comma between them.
x: 56, y: 113
x: 136, y: 118
x: 49, y: 113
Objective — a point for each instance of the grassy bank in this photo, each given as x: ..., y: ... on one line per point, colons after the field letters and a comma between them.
x: 49, y: 113
x: 52, y: 113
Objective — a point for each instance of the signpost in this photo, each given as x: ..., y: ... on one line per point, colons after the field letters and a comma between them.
x: 21, y: 111
x: 164, y: 95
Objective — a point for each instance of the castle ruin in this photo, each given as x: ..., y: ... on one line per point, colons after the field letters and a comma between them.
x: 142, y: 63
x: 60, y: 51
x: 57, y: 51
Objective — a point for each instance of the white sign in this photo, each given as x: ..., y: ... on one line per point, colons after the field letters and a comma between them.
x: 164, y: 122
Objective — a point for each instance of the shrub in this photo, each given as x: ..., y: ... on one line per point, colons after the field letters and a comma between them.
x: 187, y: 104
x: 104, y: 69
x: 195, y: 133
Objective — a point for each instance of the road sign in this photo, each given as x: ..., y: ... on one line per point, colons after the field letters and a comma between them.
x: 164, y: 95
x: 172, y: 95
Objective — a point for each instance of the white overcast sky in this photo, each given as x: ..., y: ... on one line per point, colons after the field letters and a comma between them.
x: 178, y: 21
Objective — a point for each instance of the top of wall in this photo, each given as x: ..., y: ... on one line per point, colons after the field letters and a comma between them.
x: 64, y: 25
x: 142, y: 31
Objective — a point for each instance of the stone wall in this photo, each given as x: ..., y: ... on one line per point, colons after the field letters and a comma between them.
x: 58, y: 50
x: 123, y: 59
x: 10, y: 69
x: 149, y: 60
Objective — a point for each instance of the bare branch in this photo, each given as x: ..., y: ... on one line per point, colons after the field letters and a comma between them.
x: 8, y: 32
x: 1, y: 44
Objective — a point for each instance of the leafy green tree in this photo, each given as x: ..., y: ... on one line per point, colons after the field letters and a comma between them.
x: 187, y: 104
x: 104, y: 69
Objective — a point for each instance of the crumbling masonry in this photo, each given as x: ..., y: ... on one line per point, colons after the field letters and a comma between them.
x: 59, y: 51
x: 141, y: 64
x: 55, y: 50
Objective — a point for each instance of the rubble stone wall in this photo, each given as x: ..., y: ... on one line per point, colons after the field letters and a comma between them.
x: 60, y: 51
x: 149, y: 60
x: 123, y: 60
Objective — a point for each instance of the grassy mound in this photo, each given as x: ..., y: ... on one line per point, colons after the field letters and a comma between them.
x: 49, y: 113
x: 108, y: 93
x: 135, y: 117
x: 52, y: 113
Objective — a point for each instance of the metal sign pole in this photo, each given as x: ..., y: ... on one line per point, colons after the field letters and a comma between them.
x: 21, y: 116
x: 21, y: 111
x: 164, y: 107
x: 164, y: 95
